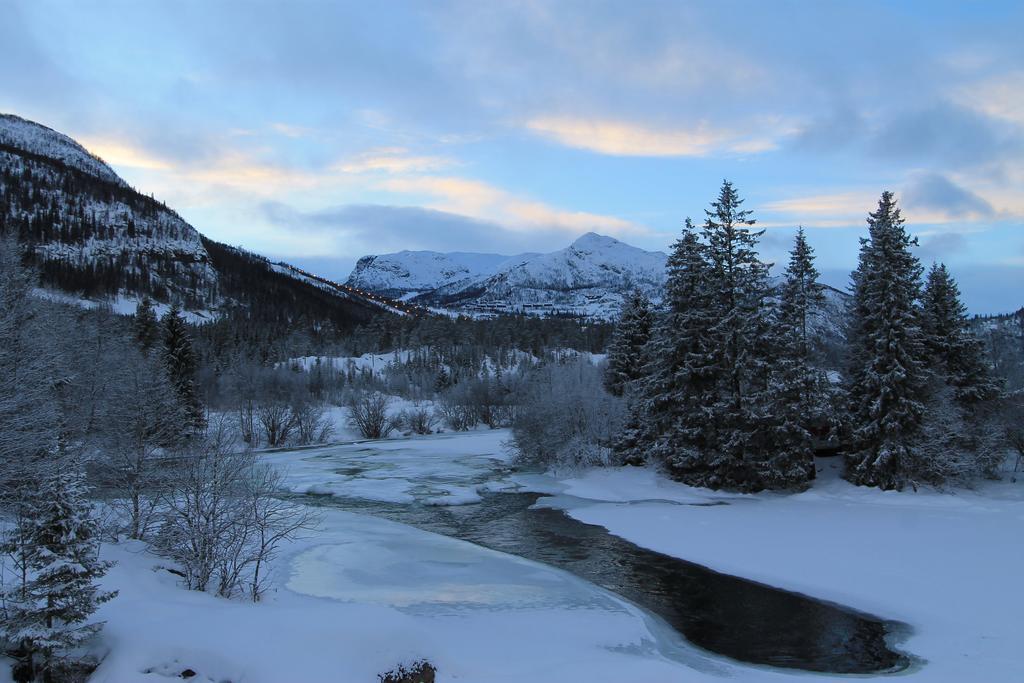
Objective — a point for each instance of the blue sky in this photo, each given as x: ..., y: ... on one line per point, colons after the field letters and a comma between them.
x: 318, y: 132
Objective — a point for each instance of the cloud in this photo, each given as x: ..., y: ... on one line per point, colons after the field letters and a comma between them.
x: 940, y: 245
x: 358, y: 229
x: 483, y: 201
x: 836, y: 130
x: 622, y: 138
x: 121, y: 154
x: 395, y: 160
x: 999, y: 96
x: 945, y: 134
x: 831, y: 210
x: 932, y: 192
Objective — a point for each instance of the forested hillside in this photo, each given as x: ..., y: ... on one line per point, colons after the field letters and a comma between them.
x: 94, y: 237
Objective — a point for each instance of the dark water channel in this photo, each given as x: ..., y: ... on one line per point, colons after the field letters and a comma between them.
x: 744, y: 620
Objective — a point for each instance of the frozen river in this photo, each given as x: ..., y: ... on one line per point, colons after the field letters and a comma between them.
x: 461, y: 486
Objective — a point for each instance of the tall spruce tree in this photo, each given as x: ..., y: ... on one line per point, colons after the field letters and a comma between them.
x: 147, y: 329
x: 180, y: 363
x: 626, y: 352
x: 797, y: 396
x: 953, y: 350
x: 887, y: 371
x: 47, y: 615
x: 665, y: 420
x: 801, y: 295
x: 748, y: 456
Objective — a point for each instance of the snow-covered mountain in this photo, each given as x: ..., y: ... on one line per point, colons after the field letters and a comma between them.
x: 88, y: 230
x: 35, y: 138
x: 419, y: 272
x: 93, y: 237
x: 589, y: 277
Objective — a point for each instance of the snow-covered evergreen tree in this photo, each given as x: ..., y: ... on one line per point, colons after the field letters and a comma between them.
x: 665, y: 420
x: 626, y: 352
x: 147, y: 329
x: 953, y: 350
x: 960, y: 439
x: 887, y: 371
x: 801, y: 295
x: 797, y: 397
x: 180, y: 363
x: 752, y: 449
x: 47, y: 615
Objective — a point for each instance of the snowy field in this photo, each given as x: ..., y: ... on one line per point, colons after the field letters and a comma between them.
x: 362, y: 594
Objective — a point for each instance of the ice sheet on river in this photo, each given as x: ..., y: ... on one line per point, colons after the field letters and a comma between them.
x: 438, y: 470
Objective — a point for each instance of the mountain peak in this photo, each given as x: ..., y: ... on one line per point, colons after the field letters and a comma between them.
x: 592, y: 240
x: 38, y: 139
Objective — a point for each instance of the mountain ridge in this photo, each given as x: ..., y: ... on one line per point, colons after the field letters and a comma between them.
x: 589, y: 277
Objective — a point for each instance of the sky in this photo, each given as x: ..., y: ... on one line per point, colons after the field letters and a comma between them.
x: 319, y: 132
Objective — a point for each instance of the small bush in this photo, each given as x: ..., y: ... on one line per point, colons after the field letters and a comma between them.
x: 419, y: 420
x: 368, y: 413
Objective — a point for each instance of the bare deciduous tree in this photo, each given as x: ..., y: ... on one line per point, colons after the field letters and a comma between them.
x: 222, y: 520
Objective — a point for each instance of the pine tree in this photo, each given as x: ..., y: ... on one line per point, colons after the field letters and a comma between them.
x: 666, y: 413
x: 147, y: 329
x: 48, y: 614
x: 887, y: 373
x: 801, y: 295
x: 626, y: 351
x: 748, y: 455
x: 797, y: 399
x: 180, y: 364
x: 953, y: 350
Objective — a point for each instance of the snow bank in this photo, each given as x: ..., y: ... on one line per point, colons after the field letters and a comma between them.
x: 948, y: 565
x: 364, y: 594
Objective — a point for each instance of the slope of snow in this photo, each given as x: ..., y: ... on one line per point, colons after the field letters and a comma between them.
x: 39, y: 139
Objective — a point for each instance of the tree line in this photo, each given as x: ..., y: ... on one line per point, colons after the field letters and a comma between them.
x: 724, y: 390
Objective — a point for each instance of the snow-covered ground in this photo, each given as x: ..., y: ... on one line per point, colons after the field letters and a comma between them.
x: 948, y: 565
x: 362, y: 594
x: 365, y: 594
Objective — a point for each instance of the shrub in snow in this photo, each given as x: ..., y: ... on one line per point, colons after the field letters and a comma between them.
x: 419, y: 419
x: 368, y: 413
x: 487, y: 399
x: 564, y: 417
x: 456, y: 415
x: 310, y: 425
x: 144, y: 424
x: 221, y: 519
x: 954, y: 448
